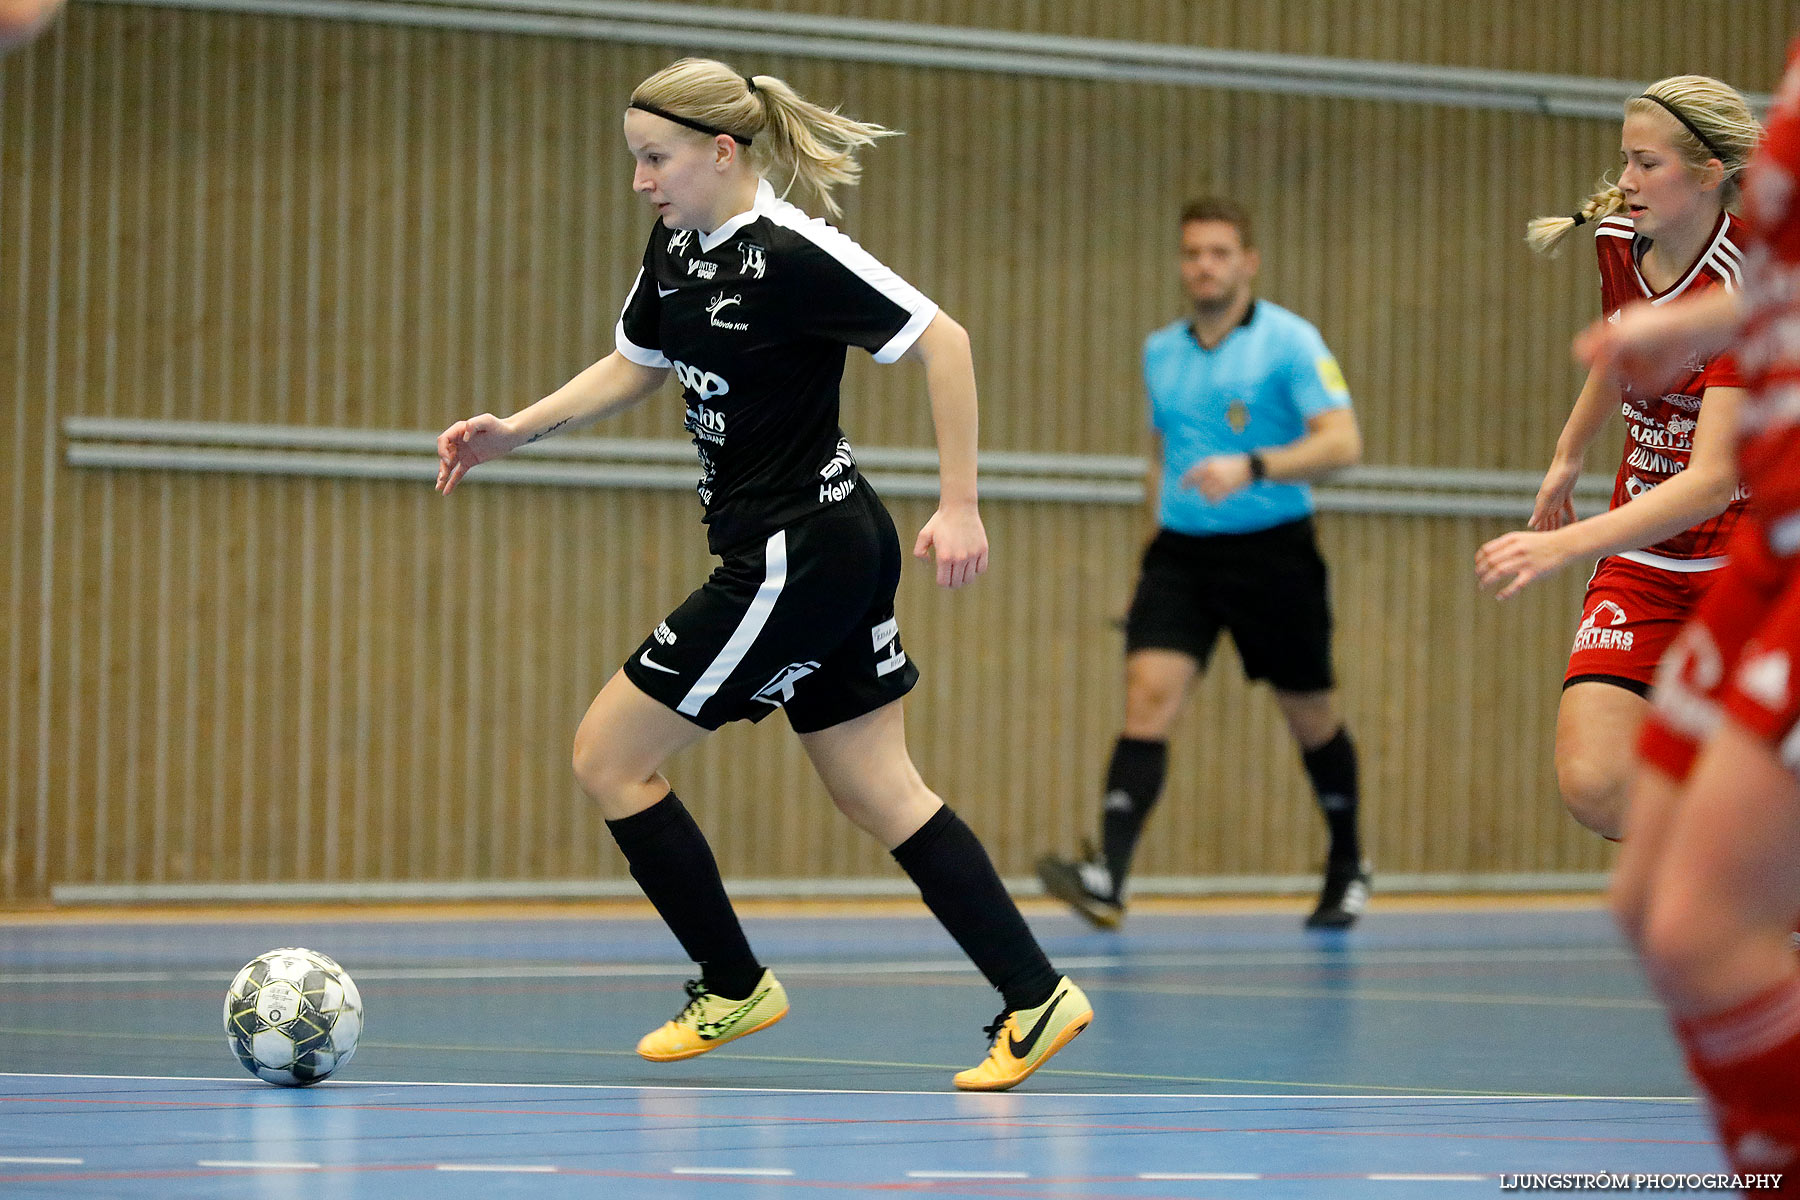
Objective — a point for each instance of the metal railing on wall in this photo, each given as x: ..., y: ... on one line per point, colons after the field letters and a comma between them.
x: 410, y: 455
x: 848, y: 39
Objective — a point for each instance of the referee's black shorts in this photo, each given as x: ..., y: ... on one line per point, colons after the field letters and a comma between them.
x: 1268, y: 589
x: 802, y: 620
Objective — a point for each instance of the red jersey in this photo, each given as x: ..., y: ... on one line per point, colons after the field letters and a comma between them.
x: 1770, y: 348
x: 1659, y: 429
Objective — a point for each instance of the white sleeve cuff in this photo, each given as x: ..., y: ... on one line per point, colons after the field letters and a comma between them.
x: 901, y: 342
x: 638, y: 354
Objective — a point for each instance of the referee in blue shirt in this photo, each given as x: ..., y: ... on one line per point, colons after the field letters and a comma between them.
x: 1247, y: 405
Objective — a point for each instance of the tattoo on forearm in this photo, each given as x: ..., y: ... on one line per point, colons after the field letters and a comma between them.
x: 544, y: 433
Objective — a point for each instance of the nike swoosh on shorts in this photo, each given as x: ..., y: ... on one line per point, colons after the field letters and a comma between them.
x: 656, y: 666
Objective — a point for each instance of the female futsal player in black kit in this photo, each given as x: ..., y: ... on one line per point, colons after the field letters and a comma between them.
x: 751, y: 303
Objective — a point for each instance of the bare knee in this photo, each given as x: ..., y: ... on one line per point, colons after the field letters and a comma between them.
x: 1593, y: 788
x: 617, y: 788
x: 890, y: 810
x: 1154, y: 695
x: 1312, y: 717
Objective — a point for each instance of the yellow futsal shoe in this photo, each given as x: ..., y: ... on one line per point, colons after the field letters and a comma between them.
x: 1024, y: 1040
x: 710, y: 1021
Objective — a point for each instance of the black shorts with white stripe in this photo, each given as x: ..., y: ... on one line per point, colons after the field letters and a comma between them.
x: 802, y: 620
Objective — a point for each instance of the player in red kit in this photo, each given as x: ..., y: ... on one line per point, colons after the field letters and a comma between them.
x: 22, y: 20
x: 1708, y: 885
x: 1664, y: 233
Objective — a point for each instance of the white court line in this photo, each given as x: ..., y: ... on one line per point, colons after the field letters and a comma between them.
x: 771, y: 1172
x: 1181, y: 1176
x: 1309, y: 1097
x: 247, y: 1165
x: 1447, y: 957
x: 498, y: 1168
x: 20, y: 1160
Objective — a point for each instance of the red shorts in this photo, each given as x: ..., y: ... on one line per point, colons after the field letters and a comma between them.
x: 1733, y: 659
x: 1630, y: 615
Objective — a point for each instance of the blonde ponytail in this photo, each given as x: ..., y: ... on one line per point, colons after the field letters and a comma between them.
x: 1545, y: 235
x: 1711, y: 121
x: 788, y: 139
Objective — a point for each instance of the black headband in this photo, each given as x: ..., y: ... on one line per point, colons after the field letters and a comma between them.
x: 1688, y: 125
x: 702, y: 126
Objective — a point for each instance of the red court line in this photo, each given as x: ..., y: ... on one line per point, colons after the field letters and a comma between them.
x: 775, y: 1119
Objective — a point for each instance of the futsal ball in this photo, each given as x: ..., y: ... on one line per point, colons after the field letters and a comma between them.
x: 292, y: 1016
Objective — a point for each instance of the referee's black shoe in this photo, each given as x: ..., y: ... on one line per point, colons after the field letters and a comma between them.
x: 1087, y: 887
x: 1344, y: 896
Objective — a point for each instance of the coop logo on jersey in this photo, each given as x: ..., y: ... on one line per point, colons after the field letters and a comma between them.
x: 754, y: 262
x: 703, y: 384
x: 1600, y: 630
x: 779, y: 690
x: 719, y: 304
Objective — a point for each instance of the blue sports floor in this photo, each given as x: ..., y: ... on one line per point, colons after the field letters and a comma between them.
x: 1425, y: 1055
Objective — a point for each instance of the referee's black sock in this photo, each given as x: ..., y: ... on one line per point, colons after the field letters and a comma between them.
x: 962, y: 889
x: 1332, y: 768
x: 1134, y: 781
x: 671, y: 861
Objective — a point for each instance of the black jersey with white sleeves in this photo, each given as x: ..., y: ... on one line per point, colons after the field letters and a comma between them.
x: 754, y: 319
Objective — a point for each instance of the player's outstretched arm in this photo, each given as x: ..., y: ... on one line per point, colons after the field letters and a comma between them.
x: 1647, y: 344
x: 1514, y: 560
x: 612, y: 385
x: 1555, y: 504
x: 954, y: 536
x: 1332, y: 441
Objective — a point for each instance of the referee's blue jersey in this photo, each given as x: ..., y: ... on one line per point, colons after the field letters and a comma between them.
x: 1255, y: 391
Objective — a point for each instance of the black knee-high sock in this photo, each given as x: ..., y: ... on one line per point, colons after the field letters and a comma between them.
x: 962, y: 889
x: 671, y: 861
x: 1134, y: 781
x: 1332, y: 768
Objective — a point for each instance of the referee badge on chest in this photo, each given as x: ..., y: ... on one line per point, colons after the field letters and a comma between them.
x: 1237, y: 415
